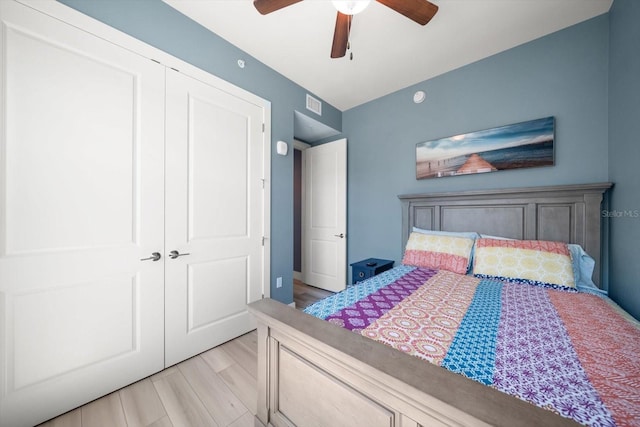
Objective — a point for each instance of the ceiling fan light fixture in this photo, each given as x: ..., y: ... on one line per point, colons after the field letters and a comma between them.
x: 350, y: 7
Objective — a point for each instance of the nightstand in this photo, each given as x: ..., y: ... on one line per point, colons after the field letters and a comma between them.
x: 364, y: 269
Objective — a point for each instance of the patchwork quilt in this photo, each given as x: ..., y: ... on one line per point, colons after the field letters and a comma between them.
x: 570, y: 352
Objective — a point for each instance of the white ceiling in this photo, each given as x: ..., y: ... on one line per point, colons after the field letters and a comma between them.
x: 390, y: 51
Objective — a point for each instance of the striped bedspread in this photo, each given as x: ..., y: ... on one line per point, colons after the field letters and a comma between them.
x: 569, y: 352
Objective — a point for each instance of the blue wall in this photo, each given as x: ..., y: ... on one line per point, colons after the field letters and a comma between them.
x: 585, y: 76
x: 624, y: 154
x: 159, y: 25
x: 562, y: 75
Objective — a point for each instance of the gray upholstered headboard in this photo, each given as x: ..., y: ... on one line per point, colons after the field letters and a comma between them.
x: 567, y: 213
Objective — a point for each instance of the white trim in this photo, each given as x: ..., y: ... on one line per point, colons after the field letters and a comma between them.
x: 302, y: 146
x: 266, y: 204
x: 299, y: 145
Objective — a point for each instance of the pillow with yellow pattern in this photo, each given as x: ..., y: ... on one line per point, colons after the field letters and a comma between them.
x: 530, y: 260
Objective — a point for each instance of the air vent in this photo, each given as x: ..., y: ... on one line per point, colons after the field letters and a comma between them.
x: 314, y: 105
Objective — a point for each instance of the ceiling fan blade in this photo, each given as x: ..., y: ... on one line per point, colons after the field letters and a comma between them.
x: 341, y: 35
x: 420, y: 11
x: 268, y: 6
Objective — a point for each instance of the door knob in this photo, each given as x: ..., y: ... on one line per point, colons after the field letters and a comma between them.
x: 341, y: 235
x: 154, y: 257
x: 176, y: 254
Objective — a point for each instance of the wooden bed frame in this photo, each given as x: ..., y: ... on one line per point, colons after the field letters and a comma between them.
x: 312, y: 373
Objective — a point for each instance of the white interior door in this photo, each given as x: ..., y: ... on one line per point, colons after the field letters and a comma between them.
x: 326, y: 216
x: 81, y: 202
x: 214, y: 215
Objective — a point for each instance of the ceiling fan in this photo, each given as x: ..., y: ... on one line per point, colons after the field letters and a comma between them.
x: 420, y: 11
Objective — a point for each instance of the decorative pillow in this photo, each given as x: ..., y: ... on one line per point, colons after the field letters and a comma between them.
x: 438, y: 251
x: 582, y: 263
x: 467, y: 234
x: 528, y: 260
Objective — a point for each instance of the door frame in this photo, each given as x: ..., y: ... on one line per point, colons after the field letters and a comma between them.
x: 302, y: 146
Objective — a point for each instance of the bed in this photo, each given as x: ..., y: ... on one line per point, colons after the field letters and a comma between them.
x: 373, y: 369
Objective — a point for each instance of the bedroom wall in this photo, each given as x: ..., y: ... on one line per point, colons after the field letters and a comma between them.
x: 564, y: 75
x: 624, y: 153
x: 159, y: 25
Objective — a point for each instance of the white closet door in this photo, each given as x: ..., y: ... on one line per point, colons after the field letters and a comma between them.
x: 81, y: 202
x: 214, y: 215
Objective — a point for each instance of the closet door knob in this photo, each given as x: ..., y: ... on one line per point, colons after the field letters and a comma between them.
x: 176, y: 254
x: 341, y: 235
x: 154, y: 257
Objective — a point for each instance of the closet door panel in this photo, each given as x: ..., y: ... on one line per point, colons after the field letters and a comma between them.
x: 206, y: 306
x: 81, y: 202
x: 217, y: 171
x: 214, y: 214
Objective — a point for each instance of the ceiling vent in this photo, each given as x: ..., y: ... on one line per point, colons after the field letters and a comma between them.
x: 314, y: 105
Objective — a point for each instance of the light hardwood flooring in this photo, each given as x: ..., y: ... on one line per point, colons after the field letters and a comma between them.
x: 305, y: 295
x: 214, y: 389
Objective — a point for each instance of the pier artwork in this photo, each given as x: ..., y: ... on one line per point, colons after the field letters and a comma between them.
x: 521, y: 145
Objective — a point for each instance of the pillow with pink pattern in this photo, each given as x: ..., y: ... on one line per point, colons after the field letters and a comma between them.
x: 441, y: 252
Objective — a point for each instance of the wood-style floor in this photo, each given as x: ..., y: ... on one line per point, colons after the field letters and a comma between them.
x: 216, y: 388
x: 305, y: 295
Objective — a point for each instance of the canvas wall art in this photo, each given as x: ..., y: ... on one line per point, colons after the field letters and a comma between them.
x: 520, y: 145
